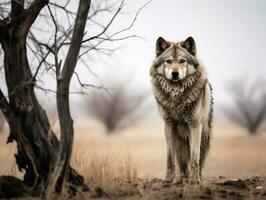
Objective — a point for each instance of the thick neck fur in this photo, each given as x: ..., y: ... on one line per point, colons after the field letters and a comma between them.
x: 176, y: 97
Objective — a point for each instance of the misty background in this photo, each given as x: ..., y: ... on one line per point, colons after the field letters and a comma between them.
x: 230, y: 38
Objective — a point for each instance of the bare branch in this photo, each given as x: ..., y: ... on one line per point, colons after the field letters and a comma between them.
x: 63, y: 8
x: 76, y: 41
x: 110, y: 38
x: 40, y: 64
x: 108, y: 25
x: 32, y: 12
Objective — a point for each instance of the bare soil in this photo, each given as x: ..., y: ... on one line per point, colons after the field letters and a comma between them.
x: 221, y: 188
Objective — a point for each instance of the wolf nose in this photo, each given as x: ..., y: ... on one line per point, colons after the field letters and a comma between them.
x: 175, y: 75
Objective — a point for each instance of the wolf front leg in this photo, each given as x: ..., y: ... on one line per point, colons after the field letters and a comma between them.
x: 194, y: 143
x: 170, y: 166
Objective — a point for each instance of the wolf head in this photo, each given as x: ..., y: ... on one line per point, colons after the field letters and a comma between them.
x: 175, y: 61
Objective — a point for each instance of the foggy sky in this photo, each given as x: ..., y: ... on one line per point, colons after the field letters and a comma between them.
x: 230, y: 37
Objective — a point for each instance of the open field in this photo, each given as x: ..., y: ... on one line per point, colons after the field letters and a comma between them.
x: 131, y: 163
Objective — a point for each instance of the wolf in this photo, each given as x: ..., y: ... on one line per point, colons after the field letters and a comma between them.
x: 184, y: 98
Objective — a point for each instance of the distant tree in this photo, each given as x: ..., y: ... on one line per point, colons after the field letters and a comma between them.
x: 118, y: 108
x: 249, y: 104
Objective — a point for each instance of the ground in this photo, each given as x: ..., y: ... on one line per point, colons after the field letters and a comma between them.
x: 131, y: 164
x: 253, y: 188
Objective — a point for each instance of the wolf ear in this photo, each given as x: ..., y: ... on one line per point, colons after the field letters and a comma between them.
x: 190, y: 45
x: 161, y: 46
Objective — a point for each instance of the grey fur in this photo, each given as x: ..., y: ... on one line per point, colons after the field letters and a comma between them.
x: 186, y: 108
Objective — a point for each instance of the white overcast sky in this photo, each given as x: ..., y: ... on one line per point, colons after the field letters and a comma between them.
x: 230, y: 37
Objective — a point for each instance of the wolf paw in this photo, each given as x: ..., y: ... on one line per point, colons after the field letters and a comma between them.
x: 169, y: 177
x: 194, y: 180
x: 179, y: 179
x: 166, y: 181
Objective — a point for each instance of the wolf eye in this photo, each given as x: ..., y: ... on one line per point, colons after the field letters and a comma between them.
x: 182, y: 60
x: 169, y: 61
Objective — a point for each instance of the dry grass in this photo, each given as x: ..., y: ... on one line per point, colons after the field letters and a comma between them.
x: 100, y: 164
x: 140, y: 152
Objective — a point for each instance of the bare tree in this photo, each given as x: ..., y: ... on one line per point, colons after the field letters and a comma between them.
x: 121, y: 107
x: 29, y: 125
x: 44, y: 158
x: 249, y: 104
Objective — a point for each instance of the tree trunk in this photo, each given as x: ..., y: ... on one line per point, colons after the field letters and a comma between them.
x: 63, y: 84
x: 37, y: 144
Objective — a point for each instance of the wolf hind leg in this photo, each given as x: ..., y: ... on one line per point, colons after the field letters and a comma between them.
x: 204, y: 147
